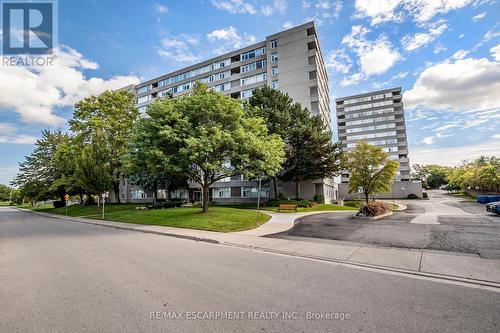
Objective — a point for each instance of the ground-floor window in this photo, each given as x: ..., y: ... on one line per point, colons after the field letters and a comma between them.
x: 179, y: 194
x: 252, y: 192
x: 138, y: 194
x: 161, y: 194
x: 221, y: 192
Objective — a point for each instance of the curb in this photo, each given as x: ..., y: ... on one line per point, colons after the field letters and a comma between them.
x: 373, y: 217
x: 434, y: 276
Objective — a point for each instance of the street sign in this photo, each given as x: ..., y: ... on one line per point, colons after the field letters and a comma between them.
x: 66, y: 197
x: 360, y: 189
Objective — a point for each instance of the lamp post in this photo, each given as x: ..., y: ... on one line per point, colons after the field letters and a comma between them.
x: 403, y: 189
x: 258, y: 198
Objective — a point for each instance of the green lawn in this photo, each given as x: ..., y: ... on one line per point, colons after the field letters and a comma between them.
x: 219, y: 218
x: 324, y: 207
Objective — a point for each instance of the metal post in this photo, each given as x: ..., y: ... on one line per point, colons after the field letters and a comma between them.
x: 66, y: 205
x: 103, y: 201
x: 258, y: 198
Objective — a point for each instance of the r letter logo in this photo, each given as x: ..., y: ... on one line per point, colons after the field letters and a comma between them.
x: 28, y: 27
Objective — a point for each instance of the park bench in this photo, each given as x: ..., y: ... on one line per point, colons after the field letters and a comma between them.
x: 287, y: 207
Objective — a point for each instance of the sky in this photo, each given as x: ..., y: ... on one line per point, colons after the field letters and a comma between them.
x: 445, y: 54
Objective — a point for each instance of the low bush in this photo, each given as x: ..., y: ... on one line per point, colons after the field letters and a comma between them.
x: 166, y: 204
x: 374, y: 208
x: 319, y: 198
x: 412, y: 196
x: 58, y: 204
x: 299, y: 203
x: 425, y: 195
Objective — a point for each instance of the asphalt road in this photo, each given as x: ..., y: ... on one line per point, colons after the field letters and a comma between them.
x: 61, y: 276
x: 442, y: 223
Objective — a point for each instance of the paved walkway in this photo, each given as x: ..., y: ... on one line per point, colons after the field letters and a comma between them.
x: 451, y: 266
x: 437, y: 206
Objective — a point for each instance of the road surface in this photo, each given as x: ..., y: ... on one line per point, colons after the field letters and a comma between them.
x: 442, y: 223
x: 62, y: 276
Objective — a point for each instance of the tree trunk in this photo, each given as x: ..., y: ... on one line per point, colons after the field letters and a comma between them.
x: 366, y: 197
x: 275, y: 180
x: 81, y: 198
x: 205, y: 198
x: 116, y: 190
x: 297, y: 190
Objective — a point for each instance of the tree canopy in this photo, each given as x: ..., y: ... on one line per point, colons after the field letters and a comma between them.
x: 370, y: 168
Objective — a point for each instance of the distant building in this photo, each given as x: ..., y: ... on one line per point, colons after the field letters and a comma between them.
x: 290, y: 61
x: 378, y: 119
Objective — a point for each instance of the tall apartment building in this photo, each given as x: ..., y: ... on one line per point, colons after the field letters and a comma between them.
x: 290, y: 61
x: 378, y: 119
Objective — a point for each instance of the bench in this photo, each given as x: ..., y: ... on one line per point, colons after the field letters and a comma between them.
x: 287, y: 207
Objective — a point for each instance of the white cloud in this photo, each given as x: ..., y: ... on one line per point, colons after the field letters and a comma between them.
x: 8, y: 135
x: 460, y: 54
x: 35, y: 93
x: 489, y: 35
x: 179, y: 49
x: 439, y: 48
x: 453, y: 156
x: 235, y: 6
x: 306, y: 4
x: 496, y: 136
x: 375, y: 57
x: 350, y: 80
x: 231, y: 37
x: 287, y: 25
x: 495, y: 51
x: 464, y: 85
x: 479, y: 16
x: 394, y: 10
x: 246, y: 7
x: 420, y: 39
x: 338, y: 61
x: 461, y: 36
x: 378, y: 11
x: 161, y: 9
x: 428, y: 140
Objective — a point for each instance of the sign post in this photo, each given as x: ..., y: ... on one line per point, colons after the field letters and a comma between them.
x: 66, y: 199
x: 104, y: 196
x: 258, y: 198
x: 360, y: 190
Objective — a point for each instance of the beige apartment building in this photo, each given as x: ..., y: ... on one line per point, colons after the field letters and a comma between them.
x: 290, y: 61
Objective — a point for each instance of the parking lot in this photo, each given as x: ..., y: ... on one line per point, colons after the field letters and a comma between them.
x: 443, y: 223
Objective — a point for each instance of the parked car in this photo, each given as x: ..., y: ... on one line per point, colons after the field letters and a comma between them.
x: 493, y: 207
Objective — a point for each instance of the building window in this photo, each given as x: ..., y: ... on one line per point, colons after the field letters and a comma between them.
x: 138, y: 194
x: 246, y: 94
x: 221, y: 192
x: 143, y: 99
x: 311, y: 60
x: 144, y: 89
x: 274, y: 71
x: 274, y: 44
x: 179, y: 194
x: 142, y: 109
x: 253, y: 79
x: 275, y: 84
x: 313, y: 90
x: 252, y: 192
x: 253, y: 54
x: 312, y: 75
x: 274, y: 57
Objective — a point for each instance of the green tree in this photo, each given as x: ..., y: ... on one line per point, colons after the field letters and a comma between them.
x: 106, y: 120
x: 40, y: 170
x: 370, y: 168
x: 5, y: 192
x: 93, y: 167
x: 310, y: 152
x: 207, y: 136
x: 432, y: 176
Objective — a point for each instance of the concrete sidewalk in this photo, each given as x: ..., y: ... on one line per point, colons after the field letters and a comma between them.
x: 435, y: 264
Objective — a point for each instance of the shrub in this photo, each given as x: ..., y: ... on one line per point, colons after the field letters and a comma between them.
x: 299, y: 203
x: 166, y: 204
x: 412, y: 196
x: 319, y: 198
x: 304, y: 203
x: 375, y: 208
x: 58, y: 203
x: 425, y: 195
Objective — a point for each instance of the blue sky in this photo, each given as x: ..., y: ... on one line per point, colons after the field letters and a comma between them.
x: 444, y: 53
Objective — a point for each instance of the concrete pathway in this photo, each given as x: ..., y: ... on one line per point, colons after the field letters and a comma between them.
x: 450, y: 266
x: 279, y: 222
x: 436, y: 207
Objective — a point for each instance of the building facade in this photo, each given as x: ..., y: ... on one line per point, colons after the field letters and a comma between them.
x: 290, y: 61
x: 378, y: 119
